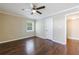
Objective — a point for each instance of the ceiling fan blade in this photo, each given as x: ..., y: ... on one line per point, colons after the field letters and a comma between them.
x: 39, y: 12
x: 40, y: 7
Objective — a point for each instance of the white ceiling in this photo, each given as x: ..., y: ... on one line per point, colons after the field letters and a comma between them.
x: 51, y: 8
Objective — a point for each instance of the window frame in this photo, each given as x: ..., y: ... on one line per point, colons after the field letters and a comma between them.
x: 32, y: 26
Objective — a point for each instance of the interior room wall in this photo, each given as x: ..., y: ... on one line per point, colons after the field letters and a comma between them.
x: 13, y: 27
x: 40, y: 28
x: 1, y: 26
x: 73, y: 29
x: 69, y: 27
x: 59, y: 29
x: 44, y: 28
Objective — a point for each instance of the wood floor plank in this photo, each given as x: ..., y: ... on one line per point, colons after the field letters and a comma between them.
x: 72, y: 47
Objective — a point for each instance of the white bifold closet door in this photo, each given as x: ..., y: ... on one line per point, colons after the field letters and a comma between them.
x: 49, y: 28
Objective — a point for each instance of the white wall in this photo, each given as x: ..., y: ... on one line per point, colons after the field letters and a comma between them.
x: 44, y: 28
x: 40, y: 28
x: 59, y: 29
x: 14, y: 27
x: 48, y: 28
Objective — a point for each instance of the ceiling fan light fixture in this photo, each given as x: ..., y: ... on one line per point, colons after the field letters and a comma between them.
x: 34, y: 11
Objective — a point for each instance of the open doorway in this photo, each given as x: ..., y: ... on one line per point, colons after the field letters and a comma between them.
x: 73, y: 33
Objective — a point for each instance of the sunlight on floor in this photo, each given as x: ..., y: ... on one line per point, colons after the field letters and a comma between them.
x: 30, y: 47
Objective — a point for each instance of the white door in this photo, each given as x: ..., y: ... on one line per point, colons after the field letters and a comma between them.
x: 49, y: 28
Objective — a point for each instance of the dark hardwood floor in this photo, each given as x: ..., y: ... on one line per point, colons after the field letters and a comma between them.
x: 32, y: 46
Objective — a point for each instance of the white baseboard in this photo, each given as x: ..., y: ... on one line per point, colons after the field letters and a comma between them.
x: 63, y: 43
x: 13, y: 40
x: 41, y: 37
x: 28, y: 37
x: 59, y: 42
x: 73, y: 38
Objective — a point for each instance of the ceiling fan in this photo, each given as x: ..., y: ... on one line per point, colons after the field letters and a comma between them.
x: 34, y: 9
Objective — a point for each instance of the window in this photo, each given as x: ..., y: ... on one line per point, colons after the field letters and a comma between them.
x: 30, y: 26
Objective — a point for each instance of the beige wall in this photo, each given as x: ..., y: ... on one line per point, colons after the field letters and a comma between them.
x: 1, y: 26
x: 13, y: 27
x: 73, y: 29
